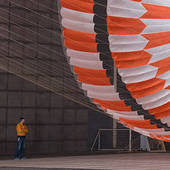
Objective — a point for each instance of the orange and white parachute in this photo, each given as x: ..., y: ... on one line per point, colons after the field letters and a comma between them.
x: 135, y: 35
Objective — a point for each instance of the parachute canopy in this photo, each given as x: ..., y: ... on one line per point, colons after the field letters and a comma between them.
x: 132, y: 36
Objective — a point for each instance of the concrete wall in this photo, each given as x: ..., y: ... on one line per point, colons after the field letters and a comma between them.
x: 56, y: 125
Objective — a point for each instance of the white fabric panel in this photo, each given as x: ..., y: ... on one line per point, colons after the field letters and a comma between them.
x: 138, y: 5
x: 86, y: 64
x: 165, y: 119
x: 153, y: 97
x: 128, y: 117
x: 126, y: 12
x: 167, y: 83
x: 137, y: 70
x: 137, y: 46
x: 168, y: 124
x: 125, y: 8
x: 167, y: 138
x: 139, y: 78
x: 156, y: 25
x: 115, y: 116
x: 103, y: 96
x: 159, y: 56
x: 76, y: 15
x: 157, y: 103
x: 157, y: 2
x: 151, y: 130
x: 126, y: 4
x: 142, y: 131
x: 156, y: 29
x: 162, y: 133
x: 126, y: 39
x: 159, y: 49
x: 78, y: 26
x: 134, y: 113
x: 109, y: 113
x: 165, y: 76
x: 102, y: 89
x: 156, y: 22
x: 127, y: 43
x: 83, y: 55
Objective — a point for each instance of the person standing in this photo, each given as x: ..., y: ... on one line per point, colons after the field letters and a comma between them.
x: 22, y: 131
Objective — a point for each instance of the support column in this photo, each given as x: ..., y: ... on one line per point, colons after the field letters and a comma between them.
x: 114, y: 120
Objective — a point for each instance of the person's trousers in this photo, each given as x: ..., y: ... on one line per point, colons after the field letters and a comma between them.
x: 20, y: 150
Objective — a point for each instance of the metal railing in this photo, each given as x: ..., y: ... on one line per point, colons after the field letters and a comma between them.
x: 97, y: 140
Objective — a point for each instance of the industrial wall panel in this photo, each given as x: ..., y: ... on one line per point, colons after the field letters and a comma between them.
x: 10, y: 148
x: 55, y: 132
x: 69, y: 132
x: 69, y: 116
x: 80, y: 132
x: 3, y: 29
x: 3, y: 116
x: 56, y: 115
x: 42, y: 133
x: 42, y: 116
x: 28, y: 99
x: 3, y: 133
x: 69, y: 146
x: 32, y: 134
x: 4, y: 2
x: 14, y: 99
x: 13, y: 115
x: 11, y: 133
x: 80, y: 145
x: 43, y: 99
x: 56, y: 101
x: 3, y: 100
x: 81, y: 115
x: 14, y: 83
x: 29, y: 115
x: 3, y: 82
x: 55, y: 147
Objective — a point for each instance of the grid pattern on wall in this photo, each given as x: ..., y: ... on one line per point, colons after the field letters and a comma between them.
x: 56, y: 124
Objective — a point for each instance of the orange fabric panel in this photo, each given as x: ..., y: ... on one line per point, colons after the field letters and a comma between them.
x: 146, y: 88
x: 156, y: 12
x: 94, y: 81
x: 79, y: 36
x: 90, y: 72
x: 163, y: 66
x: 145, y: 124
x: 167, y: 136
x: 134, y: 55
x: 78, y: 5
x: 168, y: 88
x: 80, y: 46
x: 137, y: 0
x: 132, y: 63
x: 159, y: 137
x: 131, y: 59
x: 157, y: 39
x: 160, y: 109
x: 162, y: 114
x: 124, y: 26
x: 113, y: 105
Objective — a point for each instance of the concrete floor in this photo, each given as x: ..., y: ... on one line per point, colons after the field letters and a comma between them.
x: 128, y: 161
